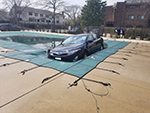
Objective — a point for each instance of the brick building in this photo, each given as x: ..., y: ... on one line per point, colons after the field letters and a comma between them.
x: 29, y: 15
x: 120, y: 12
x: 129, y: 14
x: 109, y: 16
x: 137, y: 15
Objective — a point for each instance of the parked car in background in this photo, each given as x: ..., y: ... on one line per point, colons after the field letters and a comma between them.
x: 8, y: 27
x: 96, y: 31
x: 75, y: 31
x: 76, y: 47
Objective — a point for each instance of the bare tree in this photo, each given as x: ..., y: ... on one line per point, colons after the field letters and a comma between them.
x: 16, y: 7
x: 54, y: 5
x: 4, y: 15
x: 73, y: 12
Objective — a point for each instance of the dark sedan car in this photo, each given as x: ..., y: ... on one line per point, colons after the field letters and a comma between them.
x: 75, y: 31
x: 76, y: 47
x: 8, y: 27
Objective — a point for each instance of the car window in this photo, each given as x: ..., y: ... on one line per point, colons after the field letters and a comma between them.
x: 74, y: 29
x: 8, y: 25
x: 75, y: 39
x: 94, y: 35
x: 90, y: 38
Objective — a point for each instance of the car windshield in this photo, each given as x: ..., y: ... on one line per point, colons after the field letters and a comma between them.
x: 75, y: 39
x: 94, y: 35
x: 74, y: 29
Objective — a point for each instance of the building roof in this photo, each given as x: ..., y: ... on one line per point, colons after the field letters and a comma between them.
x: 137, y: 1
x: 30, y: 9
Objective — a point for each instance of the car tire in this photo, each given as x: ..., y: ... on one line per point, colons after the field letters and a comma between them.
x: 100, y: 48
x: 75, y: 59
x: 85, y: 54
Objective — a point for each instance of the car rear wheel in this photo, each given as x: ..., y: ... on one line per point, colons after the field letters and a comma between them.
x: 85, y: 55
x: 99, y: 48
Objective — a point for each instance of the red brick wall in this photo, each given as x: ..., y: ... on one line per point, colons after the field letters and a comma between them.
x: 109, y: 13
x: 119, y: 14
x: 137, y: 12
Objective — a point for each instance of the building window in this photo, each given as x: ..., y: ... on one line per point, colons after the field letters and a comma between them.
x: 48, y: 21
x: 131, y: 17
x: 43, y: 20
x: 36, y: 14
x: 47, y: 16
x: 57, y: 17
x: 132, y: 7
x: 38, y: 20
x: 140, y: 17
x: 142, y: 6
x: 109, y: 23
x: 139, y: 26
x: 30, y: 13
x: 41, y: 15
x: 129, y: 26
x: 31, y: 19
x: 57, y: 21
x: 19, y: 19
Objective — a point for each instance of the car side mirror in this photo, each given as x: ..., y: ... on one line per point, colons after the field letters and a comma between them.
x: 89, y: 41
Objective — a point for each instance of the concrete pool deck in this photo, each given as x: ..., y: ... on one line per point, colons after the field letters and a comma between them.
x: 130, y: 92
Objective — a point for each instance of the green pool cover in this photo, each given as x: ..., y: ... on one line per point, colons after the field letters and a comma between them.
x: 78, y: 69
x: 4, y: 34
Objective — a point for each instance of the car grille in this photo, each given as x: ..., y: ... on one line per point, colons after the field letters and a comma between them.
x: 59, y: 53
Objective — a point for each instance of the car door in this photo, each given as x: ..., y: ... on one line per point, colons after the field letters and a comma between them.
x: 91, y: 44
x: 11, y: 27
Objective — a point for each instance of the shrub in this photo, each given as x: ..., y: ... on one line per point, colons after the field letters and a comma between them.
x: 109, y: 30
x: 130, y: 32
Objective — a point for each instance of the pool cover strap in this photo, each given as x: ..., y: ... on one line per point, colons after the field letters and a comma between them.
x: 60, y: 72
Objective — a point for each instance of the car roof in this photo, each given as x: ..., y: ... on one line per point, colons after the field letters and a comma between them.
x: 5, y: 24
x: 95, y: 29
x: 82, y: 34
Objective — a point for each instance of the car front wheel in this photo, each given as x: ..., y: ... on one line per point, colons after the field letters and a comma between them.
x: 75, y: 59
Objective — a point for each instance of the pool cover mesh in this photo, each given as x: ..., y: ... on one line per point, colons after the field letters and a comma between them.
x: 79, y: 68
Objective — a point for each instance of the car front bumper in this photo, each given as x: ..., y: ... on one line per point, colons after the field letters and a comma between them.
x: 69, y: 57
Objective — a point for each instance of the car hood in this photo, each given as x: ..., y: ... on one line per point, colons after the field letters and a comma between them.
x: 64, y: 47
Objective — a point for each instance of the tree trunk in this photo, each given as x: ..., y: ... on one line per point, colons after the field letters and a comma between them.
x: 53, y: 28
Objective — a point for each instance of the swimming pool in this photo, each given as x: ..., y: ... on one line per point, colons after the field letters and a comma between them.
x: 36, y: 40
x: 78, y: 68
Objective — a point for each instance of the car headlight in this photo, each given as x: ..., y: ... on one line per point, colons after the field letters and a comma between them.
x: 49, y: 50
x: 73, y: 51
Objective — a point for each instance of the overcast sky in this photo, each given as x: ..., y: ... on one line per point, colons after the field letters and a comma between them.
x: 82, y: 2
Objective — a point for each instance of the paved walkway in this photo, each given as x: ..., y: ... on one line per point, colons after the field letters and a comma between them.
x: 130, y: 92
